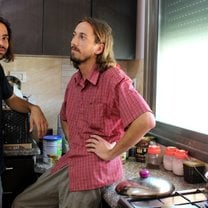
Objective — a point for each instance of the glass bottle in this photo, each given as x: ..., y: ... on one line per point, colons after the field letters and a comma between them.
x: 153, y: 156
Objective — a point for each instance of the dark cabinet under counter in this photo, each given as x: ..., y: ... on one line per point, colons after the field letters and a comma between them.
x: 18, y: 175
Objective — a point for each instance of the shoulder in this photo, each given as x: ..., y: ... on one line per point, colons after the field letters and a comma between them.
x: 115, y: 75
x: 2, y: 75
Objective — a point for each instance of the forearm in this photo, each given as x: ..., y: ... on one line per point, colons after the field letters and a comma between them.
x: 133, y: 135
x: 37, y: 117
x: 20, y: 105
x: 108, y: 151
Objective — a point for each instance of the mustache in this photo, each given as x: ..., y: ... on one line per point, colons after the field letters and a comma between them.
x: 75, y: 48
x: 2, y: 47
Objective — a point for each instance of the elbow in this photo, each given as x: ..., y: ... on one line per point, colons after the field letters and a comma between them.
x: 150, y: 121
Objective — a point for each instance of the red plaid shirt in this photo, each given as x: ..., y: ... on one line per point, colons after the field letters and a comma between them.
x: 104, y: 104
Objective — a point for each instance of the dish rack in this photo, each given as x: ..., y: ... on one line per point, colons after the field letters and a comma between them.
x: 15, y: 130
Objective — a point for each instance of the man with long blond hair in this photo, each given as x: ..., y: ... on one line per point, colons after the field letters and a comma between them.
x: 102, y: 116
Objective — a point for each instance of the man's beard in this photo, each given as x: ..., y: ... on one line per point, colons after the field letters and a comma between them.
x: 77, y: 62
x: 2, y: 53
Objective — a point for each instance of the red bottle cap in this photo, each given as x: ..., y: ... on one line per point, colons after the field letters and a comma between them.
x: 154, y: 149
x: 170, y: 150
x: 181, y: 154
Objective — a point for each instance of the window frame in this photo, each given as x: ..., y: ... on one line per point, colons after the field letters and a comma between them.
x: 168, y: 135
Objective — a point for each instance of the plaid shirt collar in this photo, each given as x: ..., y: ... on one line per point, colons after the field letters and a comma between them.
x: 93, y: 77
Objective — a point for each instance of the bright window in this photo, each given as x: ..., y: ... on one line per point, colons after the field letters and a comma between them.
x: 182, y: 64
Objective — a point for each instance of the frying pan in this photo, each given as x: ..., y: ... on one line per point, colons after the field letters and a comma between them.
x: 145, y: 188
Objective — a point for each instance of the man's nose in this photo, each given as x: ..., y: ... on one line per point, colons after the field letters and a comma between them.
x: 74, y: 40
x: 2, y: 41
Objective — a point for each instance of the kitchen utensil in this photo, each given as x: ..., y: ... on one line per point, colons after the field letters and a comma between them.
x: 14, y: 80
x: 150, y: 187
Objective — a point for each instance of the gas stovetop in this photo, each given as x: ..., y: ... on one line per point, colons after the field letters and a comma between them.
x: 181, y: 199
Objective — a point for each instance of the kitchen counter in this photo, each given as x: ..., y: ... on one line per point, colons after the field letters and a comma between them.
x: 21, y: 151
x: 131, y: 170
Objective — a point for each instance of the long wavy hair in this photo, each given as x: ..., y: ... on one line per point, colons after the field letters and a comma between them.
x: 9, y: 56
x: 103, y: 34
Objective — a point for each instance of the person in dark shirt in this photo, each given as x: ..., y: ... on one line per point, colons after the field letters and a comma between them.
x: 37, y: 117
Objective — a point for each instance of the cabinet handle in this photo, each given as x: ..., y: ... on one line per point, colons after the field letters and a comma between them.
x: 8, y: 192
x: 9, y: 168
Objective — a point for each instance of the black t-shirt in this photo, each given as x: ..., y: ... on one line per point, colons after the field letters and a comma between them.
x: 6, y: 91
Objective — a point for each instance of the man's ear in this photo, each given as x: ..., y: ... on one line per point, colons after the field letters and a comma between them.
x: 99, y: 48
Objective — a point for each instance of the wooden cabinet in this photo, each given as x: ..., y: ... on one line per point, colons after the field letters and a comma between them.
x: 121, y: 16
x: 18, y: 175
x: 44, y: 27
x: 60, y: 18
x: 25, y: 17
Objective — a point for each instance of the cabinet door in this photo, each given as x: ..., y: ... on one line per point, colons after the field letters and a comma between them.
x: 60, y: 18
x: 121, y: 16
x: 19, y: 174
x: 25, y: 17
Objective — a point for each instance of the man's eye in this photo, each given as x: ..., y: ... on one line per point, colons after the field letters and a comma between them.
x: 4, y: 38
x: 82, y: 37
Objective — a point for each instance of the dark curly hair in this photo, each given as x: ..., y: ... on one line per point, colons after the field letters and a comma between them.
x: 9, y: 56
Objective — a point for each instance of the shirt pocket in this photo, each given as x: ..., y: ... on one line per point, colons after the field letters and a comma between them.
x: 95, y: 116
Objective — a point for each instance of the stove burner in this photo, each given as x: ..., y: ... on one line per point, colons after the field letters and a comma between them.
x: 182, y: 199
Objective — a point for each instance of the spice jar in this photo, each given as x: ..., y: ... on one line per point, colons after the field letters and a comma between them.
x: 168, y: 157
x: 179, y: 157
x: 141, y: 149
x: 153, y: 156
x: 131, y: 153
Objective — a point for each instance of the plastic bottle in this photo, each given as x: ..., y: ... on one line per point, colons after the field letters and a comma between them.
x: 168, y: 157
x: 65, y: 145
x: 52, y: 146
x: 179, y: 157
x: 153, y: 156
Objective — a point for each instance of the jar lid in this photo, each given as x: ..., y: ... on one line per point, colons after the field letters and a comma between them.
x: 154, y: 149
x: 181, y: 154
x: 52, y: 137
x: 193, y: 163
x: 170, y: 150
